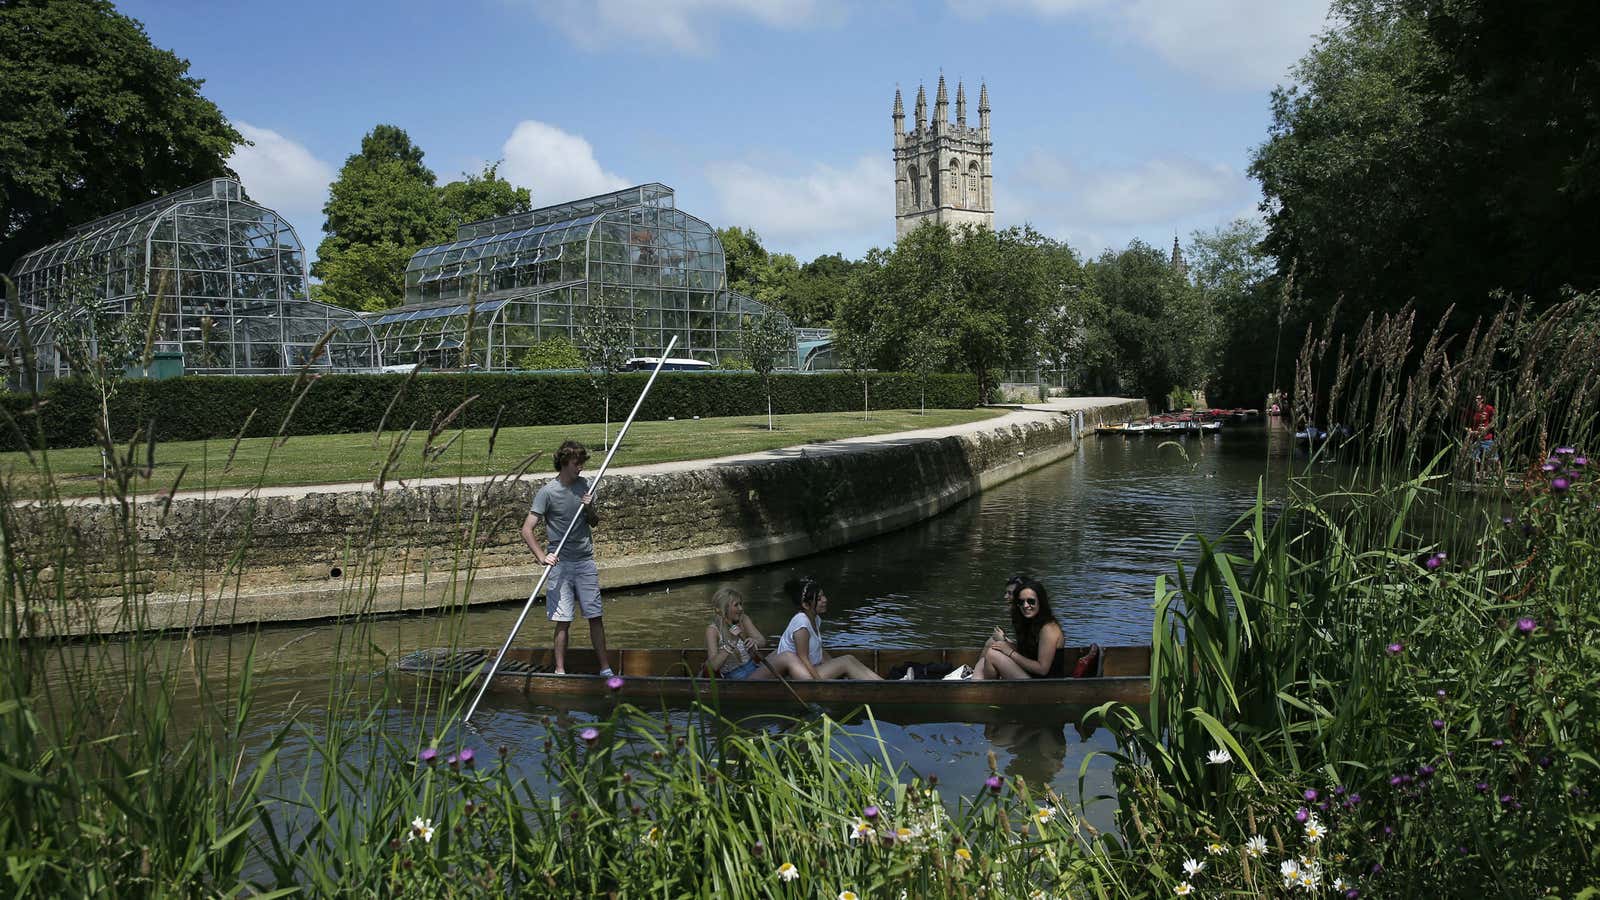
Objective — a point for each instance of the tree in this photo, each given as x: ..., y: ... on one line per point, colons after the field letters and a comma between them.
x: 480, y: 196
x: 367, y: 277
x: 551, y: 353
x: 763, y: 342
x: 1237, y: 278
x: 606, y: 335
x: 1159, y: 327
x: 93, y: 119
x: 927, y: 354
x: 1432, y: 151
x: 744, y: 258
x: 857, y: 348
x: 100, y: 342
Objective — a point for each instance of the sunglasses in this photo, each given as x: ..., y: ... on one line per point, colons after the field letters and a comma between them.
x: 1027, y: 601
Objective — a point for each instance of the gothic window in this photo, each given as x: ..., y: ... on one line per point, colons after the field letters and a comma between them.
x: 974, y: 188
x: 916, y: 187
x: 954, y: 186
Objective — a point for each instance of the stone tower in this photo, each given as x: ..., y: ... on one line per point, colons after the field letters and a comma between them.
x: 942, y: 170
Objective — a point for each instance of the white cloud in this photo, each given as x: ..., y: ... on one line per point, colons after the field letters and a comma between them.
x: 1095, y: 208
x: 1235, y: 43
x: 683, y: 26
x: 283, y: 175
x: 820, y: 211
x: 556, y: 165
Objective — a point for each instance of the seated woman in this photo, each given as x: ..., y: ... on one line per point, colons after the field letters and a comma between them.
x: 1037, y: 651
x: 800, y: 648
x: 733, y: 642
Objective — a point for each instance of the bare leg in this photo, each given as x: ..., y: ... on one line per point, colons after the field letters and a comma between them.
x: 787, y: 664
x: 1001, y: 666
x: 560, y: 642
x: 980, y: 669
x: 847, y: 667
x: 597, y: 636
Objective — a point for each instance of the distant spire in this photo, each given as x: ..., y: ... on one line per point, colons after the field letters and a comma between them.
x: 941, y: 103
x: 1178, y: 265
x: 983, y: 105
x: 899, y: 115
x: 921, y: 111
x: 961, y: 104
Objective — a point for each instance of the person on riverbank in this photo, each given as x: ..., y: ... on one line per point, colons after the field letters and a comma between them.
x: 733, y: 643
x: 564, y: 503
x: 1480, y: 429
x: 1037, y: 650
x: 800, y: 648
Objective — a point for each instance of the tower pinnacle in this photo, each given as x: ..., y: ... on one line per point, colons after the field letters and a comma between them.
x: 961, y: 104
x: 941, y: 105
x: 983, y: 105
x: 899, y: 114
x: 921, y: 111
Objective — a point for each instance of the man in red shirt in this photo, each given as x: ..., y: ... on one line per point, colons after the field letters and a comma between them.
x: 1480, y: 429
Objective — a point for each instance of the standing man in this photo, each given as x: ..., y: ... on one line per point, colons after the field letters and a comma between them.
x: 1480, y: 429
x: 574, y: 579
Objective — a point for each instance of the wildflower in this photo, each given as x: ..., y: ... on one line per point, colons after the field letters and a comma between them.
x: 1219, y: 757
x: 758, y: 849
x: 1526, y: 625
x: 1548, y: 467
x: 1290, y: 870
x: 590, y: 735
x: 421, y: 828
x: 1339, y: 884
x: 1434, y: 561
x: 1483, y: 787
x: 1183, y: 889
x: 429, y: 756
x: 1216, y: 849
x: 1438, y: 724
x: 963, y: 854
x: 1256, y: 847
x: 1310, y: 795
x: 1315, y: 831
x: 1394, y: 648
x: 993, y: 782
x: 466, y: 757
x: 1565, y: 451
x: 870, y: 813
x: 1580, y: 461
x: 1302, y: 814
x: 1560, y: 485
x: 788, y: 872
x: 848, y: 895
x: 652, y: 837
x: 861, y: 831
x: 1440, y: 694
x: 1044, y: 814
x: 1496, y: 744
x: 904, y: 834
x: 1192, y: 867
x: 615, y: 682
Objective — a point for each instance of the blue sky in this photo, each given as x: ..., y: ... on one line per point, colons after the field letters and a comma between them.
x: 1113, y: 119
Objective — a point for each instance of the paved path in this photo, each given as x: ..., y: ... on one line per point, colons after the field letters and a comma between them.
x: 1020, y: 414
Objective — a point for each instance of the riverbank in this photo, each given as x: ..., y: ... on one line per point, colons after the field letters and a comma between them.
x: 284, y: 554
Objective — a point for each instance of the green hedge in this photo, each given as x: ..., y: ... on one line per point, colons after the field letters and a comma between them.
x: 197, y: 407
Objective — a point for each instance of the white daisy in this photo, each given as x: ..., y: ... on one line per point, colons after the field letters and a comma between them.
x: 1216, y: 849
x: 788, y: 872
x: 1184, y: 889
x: 1256, y: 847
x: 1315, y: 830
x: 421, y: 828
x: 1219, y: 757
x: 1192, y: 867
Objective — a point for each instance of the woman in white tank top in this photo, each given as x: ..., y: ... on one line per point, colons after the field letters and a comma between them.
x: 801, y: 644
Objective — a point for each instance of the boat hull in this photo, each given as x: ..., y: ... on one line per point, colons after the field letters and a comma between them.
x: 662, y: 674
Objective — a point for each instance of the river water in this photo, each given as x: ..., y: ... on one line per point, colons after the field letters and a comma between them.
x: 1096, y: 529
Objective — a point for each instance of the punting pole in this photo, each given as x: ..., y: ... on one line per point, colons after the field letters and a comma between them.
x: 593, y: 487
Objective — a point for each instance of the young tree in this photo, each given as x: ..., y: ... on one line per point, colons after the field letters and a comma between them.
x: 764, y: 342
x: 551, y: 353
x: 93, y: 119
x: 858, y: 349
x: 927, y: 354
x: 100, y: 342
x: 606, y: 338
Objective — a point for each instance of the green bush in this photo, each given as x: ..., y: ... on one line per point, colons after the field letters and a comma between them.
x: 201, y: 407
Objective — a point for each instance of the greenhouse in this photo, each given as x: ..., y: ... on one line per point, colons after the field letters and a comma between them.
x: 508, y: 284
x: 223, y: 280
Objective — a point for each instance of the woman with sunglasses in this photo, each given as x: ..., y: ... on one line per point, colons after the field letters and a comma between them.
x: 802, y: 640
x: 1037, y: 651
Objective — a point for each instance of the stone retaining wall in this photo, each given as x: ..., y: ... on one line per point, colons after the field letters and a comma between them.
x: 316, y: 554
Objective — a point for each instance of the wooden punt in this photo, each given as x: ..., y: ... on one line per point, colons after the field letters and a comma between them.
x: 666, y: 674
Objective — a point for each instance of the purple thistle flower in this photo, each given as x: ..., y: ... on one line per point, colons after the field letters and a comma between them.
x: 1438, y: 724
x: 1435, y: 561
x: 870, y: 813
x: 1560, y: 485
x: 1351, y: 894
x: 1526, y: 625
x: 1302, y: 814
x: 1506, y: 520
x: 466, y: 757
x: 1544, y: 762
x: 993, y: 782
x: 1426, y: 771
x: 1355, y: 800
x: 1310, y: 795
x: 1506, y: 799
x: 590, y: 735
x: 1566, y: 451
x: 451, y: 761
x: 1580, y: 461
x: 614, y: 682
x: 1483, y: 787
x: 1548, y: 467
x: 1440, y: 694
x: 1396, y: 780
x: 1338, y: 789
x: 1496, y: 744
x: 1394, y: 648
x: 429, y: 756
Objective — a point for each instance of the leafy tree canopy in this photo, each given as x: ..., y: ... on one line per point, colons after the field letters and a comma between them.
x: 1434, y: 151
x: 93, y: 119
x: 1160, y: 329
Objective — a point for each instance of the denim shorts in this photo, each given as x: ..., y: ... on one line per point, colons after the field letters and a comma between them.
x: 574, y: 587
x: 742, y: 671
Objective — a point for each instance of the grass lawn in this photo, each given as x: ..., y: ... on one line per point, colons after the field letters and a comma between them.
x: 334, y: 458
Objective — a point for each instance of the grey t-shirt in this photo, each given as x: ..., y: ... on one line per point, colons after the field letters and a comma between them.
x: 556, y: 504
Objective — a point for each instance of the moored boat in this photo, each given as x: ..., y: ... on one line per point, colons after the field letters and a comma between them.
x: 1123, y: 674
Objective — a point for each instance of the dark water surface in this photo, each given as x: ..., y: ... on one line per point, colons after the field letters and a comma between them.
x: 1096, y: 528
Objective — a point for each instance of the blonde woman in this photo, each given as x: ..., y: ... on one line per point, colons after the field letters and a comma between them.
x: 733, y: 642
